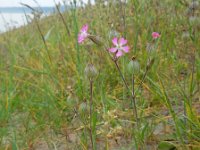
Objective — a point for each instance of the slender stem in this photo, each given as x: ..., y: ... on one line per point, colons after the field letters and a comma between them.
x: 62, y: 18
x: 193, y: 8
x: 192, y: 80
x: 185, y: 121
x: 142, y: 81
x: 91, y: 106
x: 43, y: 39
x: 148, y: 67
x: 133, y: 91
x: 191, y: 90
x: 126, y: 85
x: 133, y: 97
x: 40, y: 31
x: 132, y: 94
x: 121, y: 75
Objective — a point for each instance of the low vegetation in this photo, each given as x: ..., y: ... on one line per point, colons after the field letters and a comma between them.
x: 62, y: 91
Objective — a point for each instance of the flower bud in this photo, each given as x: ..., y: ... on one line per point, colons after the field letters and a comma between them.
x: 134, y: 66
x: 90, y: 71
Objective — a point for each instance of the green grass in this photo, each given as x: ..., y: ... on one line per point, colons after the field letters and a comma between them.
x: 45, y: 104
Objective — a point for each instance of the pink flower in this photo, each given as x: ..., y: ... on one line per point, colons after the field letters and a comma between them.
x: 155, y: 35
x: 83, y: 34
x: 120, y: 47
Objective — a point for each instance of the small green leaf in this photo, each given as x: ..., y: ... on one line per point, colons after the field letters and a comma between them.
x: 166, y: 145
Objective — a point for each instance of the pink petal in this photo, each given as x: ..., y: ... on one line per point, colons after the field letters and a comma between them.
x: 80, y: 38
x: 126, y: 49
x: 115, y: 41
x: 155, y: 35
x: 84, y: 28
x: 119, y: 53
x: 113, y: 50
x: 122, y: 41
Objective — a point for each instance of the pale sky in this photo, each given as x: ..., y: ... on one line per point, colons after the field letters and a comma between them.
x: 12, y: 3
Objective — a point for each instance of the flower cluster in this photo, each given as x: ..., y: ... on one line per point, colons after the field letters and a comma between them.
x: 120, y: 46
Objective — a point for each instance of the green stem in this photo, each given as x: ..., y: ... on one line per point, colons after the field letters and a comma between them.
x: 132, y: 94
x: 91, y: 106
